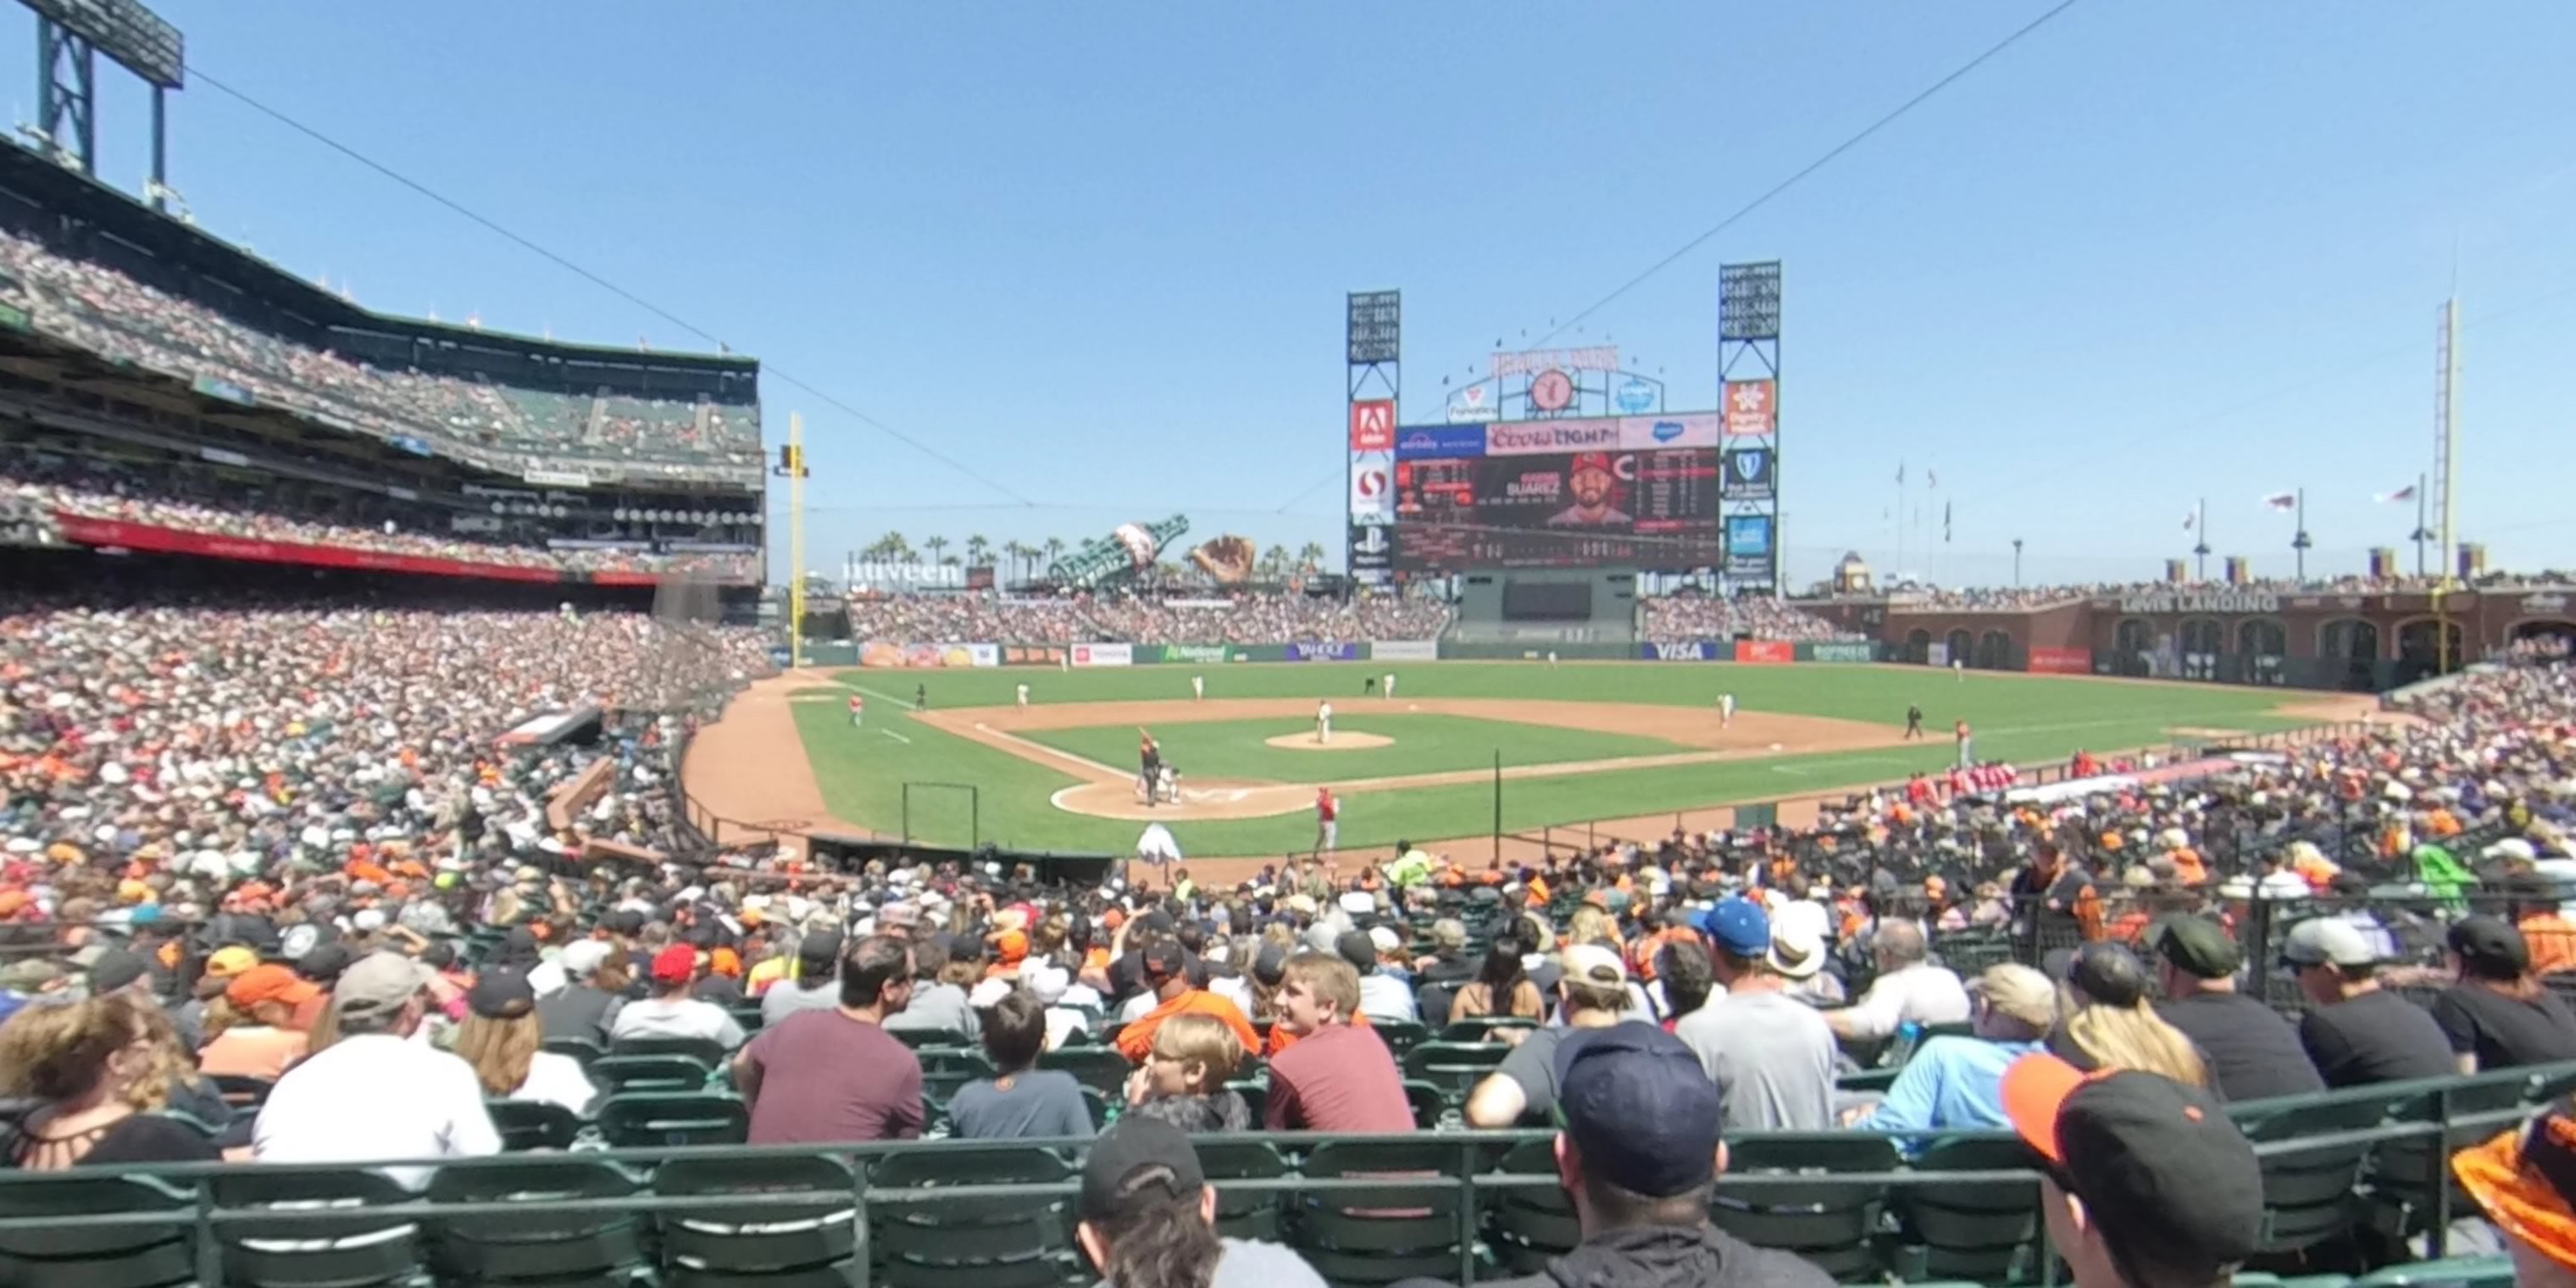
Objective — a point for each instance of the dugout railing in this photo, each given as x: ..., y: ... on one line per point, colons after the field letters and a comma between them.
x: 2353, y: 1181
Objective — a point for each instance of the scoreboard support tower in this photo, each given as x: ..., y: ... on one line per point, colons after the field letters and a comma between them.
x: 1748, y: 368
x: 1374, y: 347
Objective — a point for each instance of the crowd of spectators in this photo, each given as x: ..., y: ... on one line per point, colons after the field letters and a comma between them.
x: 178, y: 499
x: 1691, y: 618
x: 2016, y: 598
x: 1250, y: 618
x: 109, y: 313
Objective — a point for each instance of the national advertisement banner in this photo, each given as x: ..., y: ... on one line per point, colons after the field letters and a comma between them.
x: 1103, y: 654
x: 1194, y: 654
x: 1540, y: 437
x: 1752, y: 474
x: 1320, y: 652
x: 1032, y: 655
x: 1692, y: 652
x: 1404, y: 650
x: 2061, y: 661
x: 1841, y: 652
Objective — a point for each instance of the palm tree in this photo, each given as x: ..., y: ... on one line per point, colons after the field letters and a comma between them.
x: 934, y: 545
x: 1054, y: 549
x: 1311, y: 555
x: 979, y: 549
x: 1274, y: 561
x: 890, y: 546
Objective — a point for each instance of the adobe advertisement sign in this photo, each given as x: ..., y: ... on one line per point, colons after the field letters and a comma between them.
x: 1373, y: 426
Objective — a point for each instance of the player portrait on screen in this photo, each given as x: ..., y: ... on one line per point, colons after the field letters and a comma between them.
x: 1594, y: 486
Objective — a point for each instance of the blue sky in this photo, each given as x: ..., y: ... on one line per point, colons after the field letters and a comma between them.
x: 1098, y: 252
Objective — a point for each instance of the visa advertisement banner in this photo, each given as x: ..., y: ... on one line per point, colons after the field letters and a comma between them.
x: 1694, y: 652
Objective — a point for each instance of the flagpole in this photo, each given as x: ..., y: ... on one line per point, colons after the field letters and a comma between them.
x: 2299, y: 543
x: 1900, y: 518
x: 2422, y: 533
x: 2200, y: 543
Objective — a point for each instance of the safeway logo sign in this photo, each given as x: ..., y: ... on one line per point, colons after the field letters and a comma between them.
x: 1373, y: 426
x: 1752, y: 408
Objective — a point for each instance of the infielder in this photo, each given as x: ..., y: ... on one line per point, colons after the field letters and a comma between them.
x: 1328, y: 819
x: 1725, y: 710
x: 1198, y: 688
x: 1323, y: 722
x: 1390, y: 684
x: 1024, y: 697
x: 858, y: 712
x: 1959, y: 669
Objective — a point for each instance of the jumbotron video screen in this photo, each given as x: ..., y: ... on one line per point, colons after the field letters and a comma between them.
x: 1632, y: 491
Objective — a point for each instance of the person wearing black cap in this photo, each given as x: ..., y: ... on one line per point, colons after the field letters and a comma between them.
x: 815, y: 985
x: 1638, y: 1150
x: 2499, y: 1015
x: 1148, y: 1218
x: 2252, y: 1052
x: 500, y: 1038
x: 2145, y: 1183
x: 2356, y: 1032
x: 2112, y: 1027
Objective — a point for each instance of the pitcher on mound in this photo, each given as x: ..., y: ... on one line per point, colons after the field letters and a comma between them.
x: 1323, y: 722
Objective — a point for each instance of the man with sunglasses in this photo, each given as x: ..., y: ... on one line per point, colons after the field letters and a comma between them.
x: 2145, y: 1182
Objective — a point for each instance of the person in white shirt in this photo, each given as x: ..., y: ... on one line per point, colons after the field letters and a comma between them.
x: 499, y: 1038
x: 1323, y: 722
x: 670, y: 1012
x: 375, y: 1095
x: 1908, y: 988
x: 1382, y: 996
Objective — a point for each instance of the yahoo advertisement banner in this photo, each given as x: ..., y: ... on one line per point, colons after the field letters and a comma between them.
x: 1323, y: 652
x: 1454, y: 442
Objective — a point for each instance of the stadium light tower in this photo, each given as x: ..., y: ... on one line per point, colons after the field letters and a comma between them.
x: 70, y: 35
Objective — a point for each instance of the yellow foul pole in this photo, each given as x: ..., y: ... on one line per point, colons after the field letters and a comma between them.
x: 795, y: 539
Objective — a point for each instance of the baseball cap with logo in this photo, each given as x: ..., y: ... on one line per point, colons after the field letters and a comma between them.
x: 379, y: 984
x: 1591, y: 461
x: 1592, y: 964
x: 1137, y: 1161
x: 675, y: 964
x: 1639, y: 1109
x: 2525, y: 1181
x: 1739, y: 926
x: 2161, y: 1170
x: 2327, y: 941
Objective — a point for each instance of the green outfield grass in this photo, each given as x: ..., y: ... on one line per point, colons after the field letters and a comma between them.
x: 2024, y: 719
x: 1423, y: 745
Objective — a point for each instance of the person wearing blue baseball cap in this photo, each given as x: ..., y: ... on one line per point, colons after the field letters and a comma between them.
x: 1638, y: 1150
x: 1769, y: 1052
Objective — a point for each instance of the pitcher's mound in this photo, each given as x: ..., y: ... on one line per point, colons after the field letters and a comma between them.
x: 1346, y: 740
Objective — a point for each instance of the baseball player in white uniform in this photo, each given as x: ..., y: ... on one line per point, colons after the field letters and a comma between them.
x: 1390, y: 684
x: 1024, y: 697
x: 1323, y: 722
x: 1551, y: 659
x: 1725, y: 710
x: 1198, y: 688
x: 1959, y: 669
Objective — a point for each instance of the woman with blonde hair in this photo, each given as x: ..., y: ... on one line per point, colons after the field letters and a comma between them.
x: 2110, y: 1025
x: 500, y: 1038
x: 88, y: 1064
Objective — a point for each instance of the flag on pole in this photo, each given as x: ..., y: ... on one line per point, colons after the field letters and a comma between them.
x: 2282, y: 501
x: 2186, y: 520
x: 2406, y: 493
x: 1945, y: 523
x: 1930, y: 479
x: 1900, y: 473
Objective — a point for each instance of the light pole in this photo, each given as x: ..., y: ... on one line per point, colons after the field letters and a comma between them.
x: 2016, y: 563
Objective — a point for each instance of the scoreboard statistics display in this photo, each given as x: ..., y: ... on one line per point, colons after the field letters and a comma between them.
x: 1632, y: 491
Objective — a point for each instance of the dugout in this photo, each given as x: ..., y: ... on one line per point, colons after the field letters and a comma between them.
x: 1572, y: 612
x: 848, y: 854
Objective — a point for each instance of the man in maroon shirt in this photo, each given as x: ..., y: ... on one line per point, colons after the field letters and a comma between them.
x: 830, y: 1077
x: 1336, y: 1077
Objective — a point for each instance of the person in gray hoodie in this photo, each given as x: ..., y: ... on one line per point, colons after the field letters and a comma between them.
x: 1148, y: 1218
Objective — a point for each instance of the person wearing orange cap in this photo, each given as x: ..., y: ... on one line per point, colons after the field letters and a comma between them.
x: 1010, y: 948
x: 255, y: 1035
x: 2524, y: 1180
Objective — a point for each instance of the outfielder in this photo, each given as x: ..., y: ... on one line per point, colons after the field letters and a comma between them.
x: 1198, y: 688
x: 1725, y: 710
x: 1323, y: 722
x: 1390, y: 684
x: 858, y: 712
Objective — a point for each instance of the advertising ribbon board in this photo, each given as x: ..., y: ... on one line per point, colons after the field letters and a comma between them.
x: 1845, y: 652
x: 1104, y: 654
x: 1695, y: 652
x: 1195, y: 654
x: 1766, y: 652
x: 1322, y: 652
x: 1405, y: 650
x: 2061, y: 661
x: 1032, y: 654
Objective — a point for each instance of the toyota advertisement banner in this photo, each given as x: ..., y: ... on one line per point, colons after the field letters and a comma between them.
x: 1103, y: 654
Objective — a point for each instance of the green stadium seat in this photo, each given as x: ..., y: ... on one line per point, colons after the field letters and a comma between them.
x: 2308, y: 1189
x: 1428, y: 1102
x: 1256, y: 1097
x: 581, y: 1049
x: 41, y: 1254
x: 706, y: 1051
x: 1529, y: 1225
x: 1405, y: 1228
x: 1099, y: 1068
x: 533, y: 1124
x: 943, y: 1071
x: 1240, y: 1213
x: 543, y: 1245
x: 640, y: 1119
x: 617, y: 1073
x: 1828, y: 1221
x: 926, y: 1240
x: 244, y: 1093
x: 1482, y: 1028
x: 919, y: 1038
x: 1400, y: 1036
x: 2409, y: 1176
x: 1454, y: 1067
x: 1984, y: 1231
x: 749, y: 1017
x: 714, y: 1244
x: 345, y: 1246
x: 2450, y: 1272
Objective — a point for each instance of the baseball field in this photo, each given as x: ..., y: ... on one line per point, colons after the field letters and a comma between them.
x: 1577, y: 742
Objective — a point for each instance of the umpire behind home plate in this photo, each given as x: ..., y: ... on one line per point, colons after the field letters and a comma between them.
x: 1637, y: 1148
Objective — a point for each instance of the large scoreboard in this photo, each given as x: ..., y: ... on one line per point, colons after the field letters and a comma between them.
x: 1612, y: 491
